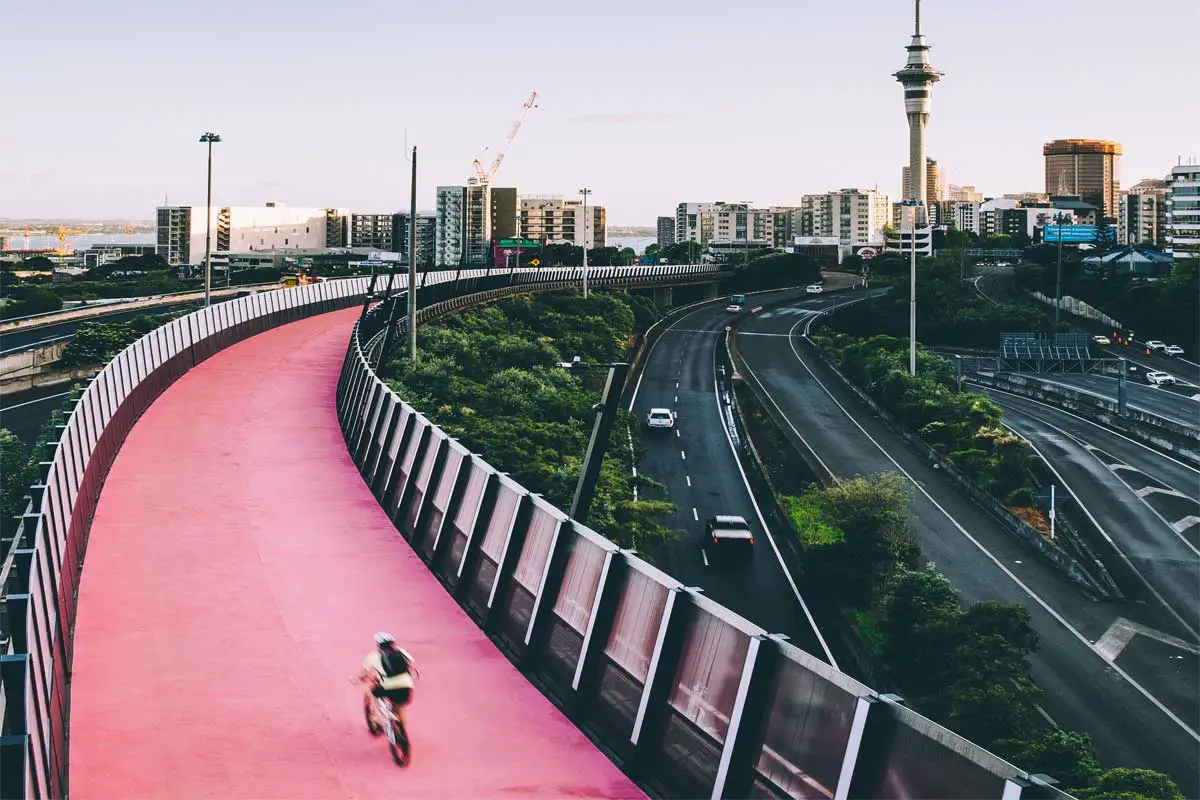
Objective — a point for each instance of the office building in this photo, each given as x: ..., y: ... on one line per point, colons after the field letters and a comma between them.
x: 1143, y: 219
x: 666, y: 231
x: 372, y: 231
x: 917, y: 78
x: 243, y: 229
x: 934, y: 191
x: 853, y: 216
x: 426, y: 238
x: 450, y: 226
x: 1183, y: 212
x: 1089, y: 168
x: 505, y: 216
x: 553, y: 220
x: 963, y: 194
x: 964, y: 216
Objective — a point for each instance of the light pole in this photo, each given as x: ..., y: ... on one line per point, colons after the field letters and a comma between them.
x: 208, y: 138
x: 606, y: 415
x: 585, y: 192
x: 912, y: 300
x: 746, y: 252
x: 1058, y: 223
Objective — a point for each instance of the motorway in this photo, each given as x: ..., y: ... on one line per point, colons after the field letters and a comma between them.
x: 697, y: 465
x: 1143, y: 501
x: 32, y: 337
x: 1161, y: 402
x: 1136, y: 712
x: 24, y: 413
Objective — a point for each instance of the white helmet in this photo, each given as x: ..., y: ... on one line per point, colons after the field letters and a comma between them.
x: 383, y: 638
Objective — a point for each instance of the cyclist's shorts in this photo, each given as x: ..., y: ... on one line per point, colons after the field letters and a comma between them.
x: 400, y: 697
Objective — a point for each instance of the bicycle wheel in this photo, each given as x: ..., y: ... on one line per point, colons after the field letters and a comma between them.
x: 399, y: 744
x: 373, y: 727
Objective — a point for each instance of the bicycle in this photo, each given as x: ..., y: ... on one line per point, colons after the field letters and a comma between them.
x: 381, y: 719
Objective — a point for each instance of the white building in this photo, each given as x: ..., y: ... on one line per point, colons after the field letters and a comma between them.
x: 853, y: 216
x: 1142, y: 218
x: 242, y: 229
x: 963, y: 194
x: 557, y: 221
x: 1183, y: 212
x: 965, y: 216
x: 694, y: 222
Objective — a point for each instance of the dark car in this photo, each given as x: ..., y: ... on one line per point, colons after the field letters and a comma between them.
x: 728, y: 537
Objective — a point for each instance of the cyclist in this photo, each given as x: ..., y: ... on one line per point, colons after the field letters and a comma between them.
x: 388, y: 672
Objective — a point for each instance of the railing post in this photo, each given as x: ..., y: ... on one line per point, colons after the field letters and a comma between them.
x: 585, y: 684
x: 748, y: 721
x: 472, y: 549
x: 871, y: 734
x: 651, y: 720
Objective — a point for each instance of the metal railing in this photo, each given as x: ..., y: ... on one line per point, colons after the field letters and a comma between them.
x: 689, y: 698
x: 41, y: 564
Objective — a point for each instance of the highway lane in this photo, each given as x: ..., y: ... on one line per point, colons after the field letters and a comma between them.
x: 1114, y: 483
x: 33, y: 337
x: 1142, y: 396
x: 702, y: 477
x: 24, y: 413
x: 1130, y: 724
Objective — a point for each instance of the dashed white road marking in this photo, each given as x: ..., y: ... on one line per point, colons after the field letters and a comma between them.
x: 688, y: 478
x: 704, y: 555
x: 695, y: 514
x: 683, y: 455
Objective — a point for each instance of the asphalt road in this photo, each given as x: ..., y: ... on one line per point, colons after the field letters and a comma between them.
x: 1142, y: 396
x: 1130, y: 717
x: 702, y: 477
x: 32, y: 337
x: 1143, y: 501
x: 24, y: 413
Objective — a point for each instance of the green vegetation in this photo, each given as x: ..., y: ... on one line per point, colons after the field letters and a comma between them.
x: 949, y: 310
x: 19, y: 465
x: 489, y: 377
x: 965, y: 666
x: 963, y: 427
x: 99, y: 342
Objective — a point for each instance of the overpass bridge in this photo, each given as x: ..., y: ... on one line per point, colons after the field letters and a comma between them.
x: 255, y: 473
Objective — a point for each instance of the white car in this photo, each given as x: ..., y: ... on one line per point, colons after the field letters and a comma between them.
x: 814, y: 288
x: 660, y: 418
x: 734, y: 308
x: 1173, y: 350
x: 1155, y: 344
x: 1159, y: 378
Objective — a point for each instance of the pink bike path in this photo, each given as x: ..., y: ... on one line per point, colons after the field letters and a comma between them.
x: 236, y: 569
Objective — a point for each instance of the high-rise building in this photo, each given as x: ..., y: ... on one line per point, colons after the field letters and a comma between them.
x: 917, y: 77
x: 554, y: 220
x: 505, y: 213
x: 450, y: 236
x: 853, y: 216
x: 666, y: 231
x: 373, y: 231
x: 1183, y: 212
x: 244, y: 229
x: 1090, y: 168
x: 934, y: 190
x: 426, y: 238
x: 694, y: 222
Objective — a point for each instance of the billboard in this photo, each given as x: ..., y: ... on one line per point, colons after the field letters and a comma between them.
x: 1077, y: 234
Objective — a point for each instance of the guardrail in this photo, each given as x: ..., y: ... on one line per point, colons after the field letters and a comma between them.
x: 689, y: 698
x: 41, y: 563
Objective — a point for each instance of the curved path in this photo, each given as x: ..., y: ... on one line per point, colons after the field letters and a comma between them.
x: 236, y: 570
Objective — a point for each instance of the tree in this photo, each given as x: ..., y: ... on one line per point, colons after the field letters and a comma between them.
x: 653, y: 250
x: 1067, y: 756
x: 14, y: 467
x: 919, y: 614
x: 26, y: 299
x: 1123, y: 783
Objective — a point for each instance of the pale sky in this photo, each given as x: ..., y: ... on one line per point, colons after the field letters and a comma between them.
x: 649, y: 103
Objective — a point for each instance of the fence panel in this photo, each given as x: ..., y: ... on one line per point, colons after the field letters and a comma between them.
x: 426, y: 538
x: 530, y: 568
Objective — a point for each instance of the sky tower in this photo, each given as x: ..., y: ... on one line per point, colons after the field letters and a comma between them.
x: 917, y: 77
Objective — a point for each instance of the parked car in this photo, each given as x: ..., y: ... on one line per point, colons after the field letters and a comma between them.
x: 730, y: 535
x: 1173, y: 350
x: 1160, y: 378
x: 1155, y: 344
x: 1101, y: 340
x: 814, y: 288
x: 660, y: 418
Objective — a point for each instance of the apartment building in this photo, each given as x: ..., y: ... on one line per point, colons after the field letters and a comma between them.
x: 372, y: 231
x: 853, y: 216
x: 426, y: 238
x: 934, y: 187
x: 694, y: 222
x: 666, y: 231
x: 450, y: 226
x: 554, y: 220
x: 1183, y: 212
x: 243, y: 229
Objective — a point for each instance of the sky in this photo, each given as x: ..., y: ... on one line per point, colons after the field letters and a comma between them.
x: 647, y: 103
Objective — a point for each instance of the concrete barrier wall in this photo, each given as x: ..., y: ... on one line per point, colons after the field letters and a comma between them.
x: 691, y: 699
x: 26, y: 363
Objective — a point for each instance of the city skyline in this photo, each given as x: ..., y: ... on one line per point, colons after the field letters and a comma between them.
x: 318, y: 131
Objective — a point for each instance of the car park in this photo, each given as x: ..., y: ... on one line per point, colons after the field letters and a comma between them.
x: 1155, y: 344
x: 1160, y: 378
x: 814, y: 288
x: 728, y: 536
x: 1101, y: 340
x: 1173, y: 350
x: 660, y: 418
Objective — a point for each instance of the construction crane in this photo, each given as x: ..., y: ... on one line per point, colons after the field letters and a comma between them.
x: 63, y: 233
x: 484, y: 177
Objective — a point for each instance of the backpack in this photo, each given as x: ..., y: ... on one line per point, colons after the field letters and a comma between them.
x: 395, y: 662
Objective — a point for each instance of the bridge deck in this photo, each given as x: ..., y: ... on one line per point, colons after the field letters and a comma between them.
x: 236, y: 570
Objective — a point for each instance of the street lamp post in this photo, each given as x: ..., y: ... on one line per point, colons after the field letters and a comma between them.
x: 585, y: 192
x: 208, y: 138
x: 746, y: 252
x: 606, y: 416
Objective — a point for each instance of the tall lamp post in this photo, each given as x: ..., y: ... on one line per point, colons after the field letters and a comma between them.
x: 912, y: 300
x: 606, y: 416
x: 585, y: 192
x: 208, y: 138
x: 1059, y: 219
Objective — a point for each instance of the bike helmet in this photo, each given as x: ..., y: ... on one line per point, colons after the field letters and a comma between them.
x: 383, y: 638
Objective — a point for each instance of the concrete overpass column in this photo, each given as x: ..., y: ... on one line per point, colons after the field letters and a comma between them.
x: 711, y: 291
x: 664, y: 295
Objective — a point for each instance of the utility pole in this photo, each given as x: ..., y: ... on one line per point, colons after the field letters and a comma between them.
x: 585, y: 192
x: 412, y: 262
x: 1053, y: 513
x: 208, y: 138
